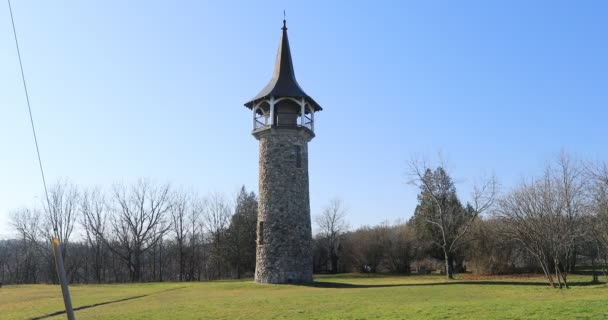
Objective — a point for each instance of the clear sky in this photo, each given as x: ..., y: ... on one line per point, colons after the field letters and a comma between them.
x: 129, y: 89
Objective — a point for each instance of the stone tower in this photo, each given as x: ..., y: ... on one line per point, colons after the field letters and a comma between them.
x: 283, y: 117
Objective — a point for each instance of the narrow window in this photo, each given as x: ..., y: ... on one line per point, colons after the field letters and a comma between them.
x: 297, y: 154
x: 261, y: 233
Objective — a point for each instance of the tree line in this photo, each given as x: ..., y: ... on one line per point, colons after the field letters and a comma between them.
x: 552, y: 224
x: 139, y: 232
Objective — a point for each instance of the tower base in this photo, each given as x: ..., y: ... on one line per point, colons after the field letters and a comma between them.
x: 284, y: 235
x: 284, y: 277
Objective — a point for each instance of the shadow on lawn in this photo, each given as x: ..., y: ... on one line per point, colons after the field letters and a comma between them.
x: 339, y: 285
x: 589, y: 272
x: 102, y: 303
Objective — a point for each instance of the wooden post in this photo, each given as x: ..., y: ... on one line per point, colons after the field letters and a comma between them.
x: 63, y: 279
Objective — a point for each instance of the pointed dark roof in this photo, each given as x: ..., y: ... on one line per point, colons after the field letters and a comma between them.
x: 283, y: 82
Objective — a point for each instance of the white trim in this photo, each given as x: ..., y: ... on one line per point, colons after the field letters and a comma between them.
x: 272, y: 102
x: 312, y: 118
x: 302, y: 111
x: 257, y: 105
x: 310, y: 109
x: 287, y: 98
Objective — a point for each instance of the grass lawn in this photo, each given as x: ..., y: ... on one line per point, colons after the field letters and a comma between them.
x: 348, y: 296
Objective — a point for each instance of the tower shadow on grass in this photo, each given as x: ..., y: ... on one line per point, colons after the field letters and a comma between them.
x: 341, y: 285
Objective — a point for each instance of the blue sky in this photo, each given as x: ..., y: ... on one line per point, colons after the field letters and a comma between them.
x: 129, y: 89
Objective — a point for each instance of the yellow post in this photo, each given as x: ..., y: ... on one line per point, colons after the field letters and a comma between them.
x: 63, y: 279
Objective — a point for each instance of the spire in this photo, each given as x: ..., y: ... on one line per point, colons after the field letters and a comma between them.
x: 284, y: 21
x: 283, y: 82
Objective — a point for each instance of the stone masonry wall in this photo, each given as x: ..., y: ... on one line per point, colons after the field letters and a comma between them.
x: 284, y: 250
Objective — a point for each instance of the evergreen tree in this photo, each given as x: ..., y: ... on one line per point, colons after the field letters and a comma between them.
x: 242, y: 233
x: 440, y: 219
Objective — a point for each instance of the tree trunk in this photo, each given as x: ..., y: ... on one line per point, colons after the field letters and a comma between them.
x: 160, y: 261
x: 449, y: 272
x: 561, y: 275
x: 182, y: 261
x: 153, y: 263
x: 559, y: 279
x: 605, y: 266
x: 594, y: 274
x: 571, y: 263
x: 545, y: 266
x: 334, y: 263
x: 137, y: 268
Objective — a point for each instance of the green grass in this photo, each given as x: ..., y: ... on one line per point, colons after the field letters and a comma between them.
x: 333, y: 297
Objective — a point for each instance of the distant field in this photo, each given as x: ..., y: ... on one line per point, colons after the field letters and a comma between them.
x: 333, y: 297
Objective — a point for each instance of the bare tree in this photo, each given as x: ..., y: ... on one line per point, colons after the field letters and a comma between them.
x: 179, y: 213
x: 61, y: 214
x: 196, y: 256
x: 403, y: 248
x: 216, y: 218
x: 372, y: 245
x: 27, y: 224
x: 155, y: 258
x: 332, y: 224
x: 138, y: 214
x: 598, y: 175
x: 546, y: 216
x: 94, y: 211
x: 441, y: 210
x: 59, y: 218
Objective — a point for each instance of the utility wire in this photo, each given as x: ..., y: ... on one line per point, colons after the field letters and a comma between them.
x: 67, y: 300
x: 29, y: 108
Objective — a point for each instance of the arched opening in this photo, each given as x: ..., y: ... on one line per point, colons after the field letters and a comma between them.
x: 308, y: 117
x: 261, y: 115
x: 286, y: 113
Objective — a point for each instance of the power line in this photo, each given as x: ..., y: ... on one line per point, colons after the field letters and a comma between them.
x: 29, y: 108
x: 67, y: 300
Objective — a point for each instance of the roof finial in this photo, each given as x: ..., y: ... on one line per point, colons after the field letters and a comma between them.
x: 284, y: 21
